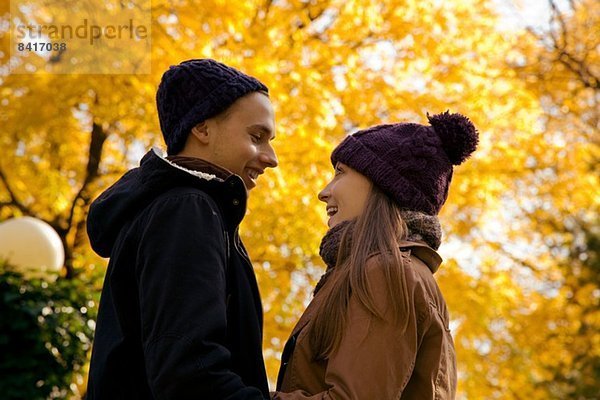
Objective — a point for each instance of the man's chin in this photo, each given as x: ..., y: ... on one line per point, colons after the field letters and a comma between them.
x: 249, y: 185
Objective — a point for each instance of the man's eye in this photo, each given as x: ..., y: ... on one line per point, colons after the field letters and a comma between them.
x: 255, y: 138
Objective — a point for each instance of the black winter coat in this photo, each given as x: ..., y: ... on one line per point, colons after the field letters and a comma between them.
x: 180, y: 314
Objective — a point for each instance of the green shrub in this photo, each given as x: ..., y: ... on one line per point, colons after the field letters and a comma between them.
x: 46, y: 331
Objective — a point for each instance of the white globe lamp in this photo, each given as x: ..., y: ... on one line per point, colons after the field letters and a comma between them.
x: 32, y: 247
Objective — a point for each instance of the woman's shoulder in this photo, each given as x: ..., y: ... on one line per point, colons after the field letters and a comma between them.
x: 418, y: 279
x: 378, y: 265
x: 379, y: 270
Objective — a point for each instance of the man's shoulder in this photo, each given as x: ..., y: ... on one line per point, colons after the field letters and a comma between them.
x: 183, y: 193
x: 186, y: 201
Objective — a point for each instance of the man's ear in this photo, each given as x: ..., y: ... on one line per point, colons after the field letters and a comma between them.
x: 200, y: 131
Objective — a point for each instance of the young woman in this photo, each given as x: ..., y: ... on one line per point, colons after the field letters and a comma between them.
x: 377, y: 327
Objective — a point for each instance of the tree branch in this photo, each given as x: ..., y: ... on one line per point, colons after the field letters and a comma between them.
x: 99, y: 136
x: 557, y: 15
x: 569, y: 60
x: 14, y: 201
x: 586, y: 77
x: 499, y: 247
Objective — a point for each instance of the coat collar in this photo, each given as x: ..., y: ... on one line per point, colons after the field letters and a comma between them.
x: 429, y: 256
x: 227, y: 189
x: 202, y: 169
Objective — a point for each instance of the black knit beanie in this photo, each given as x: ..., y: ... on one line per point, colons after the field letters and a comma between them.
x: 194, y: 91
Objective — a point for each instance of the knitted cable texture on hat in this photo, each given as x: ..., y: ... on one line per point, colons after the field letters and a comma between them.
x: 411, y: 162
x: 194, y: 91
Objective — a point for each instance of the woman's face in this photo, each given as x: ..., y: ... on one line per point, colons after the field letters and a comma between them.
x: 346, y: 195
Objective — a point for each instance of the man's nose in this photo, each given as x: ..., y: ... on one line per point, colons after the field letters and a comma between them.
x: 269, y: 157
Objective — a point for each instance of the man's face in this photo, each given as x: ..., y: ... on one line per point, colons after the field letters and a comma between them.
x: 240, y: 138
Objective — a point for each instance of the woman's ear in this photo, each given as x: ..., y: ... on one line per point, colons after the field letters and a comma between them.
x: 200, y: 132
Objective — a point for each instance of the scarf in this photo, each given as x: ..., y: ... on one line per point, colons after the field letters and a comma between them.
x: 423, y: 228
x: 420, y: 228
x: 329, y: 249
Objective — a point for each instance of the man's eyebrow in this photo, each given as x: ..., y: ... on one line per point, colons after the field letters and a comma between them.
x: 263, y: 129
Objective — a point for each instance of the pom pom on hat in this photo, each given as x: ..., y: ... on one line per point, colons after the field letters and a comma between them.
x: 457, y: 133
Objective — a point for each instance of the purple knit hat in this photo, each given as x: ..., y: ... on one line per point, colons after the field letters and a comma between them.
x: 194, y: 91
x: 410, y: 162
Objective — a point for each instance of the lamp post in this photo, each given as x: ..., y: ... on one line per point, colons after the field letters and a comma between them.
x: 32, y: 247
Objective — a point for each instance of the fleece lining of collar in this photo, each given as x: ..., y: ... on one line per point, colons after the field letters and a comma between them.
x: 202, y: 175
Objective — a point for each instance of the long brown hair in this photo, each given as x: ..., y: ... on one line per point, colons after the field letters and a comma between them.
x: 376, y: 232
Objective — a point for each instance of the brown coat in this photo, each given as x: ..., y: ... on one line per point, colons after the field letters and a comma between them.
x: 374, y: 362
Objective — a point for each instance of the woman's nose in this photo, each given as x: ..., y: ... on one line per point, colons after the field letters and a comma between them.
x: 324, y: 194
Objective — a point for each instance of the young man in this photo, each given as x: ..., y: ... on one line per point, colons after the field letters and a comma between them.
x: 180, y: 314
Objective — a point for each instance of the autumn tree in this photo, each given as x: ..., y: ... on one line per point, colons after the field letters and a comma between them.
x: 563, y: 71
x: 533, y: 302
x: 332, y: 67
